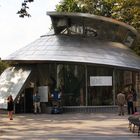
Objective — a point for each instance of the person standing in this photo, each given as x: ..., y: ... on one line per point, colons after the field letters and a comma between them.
x: 10, y: 107
x: 134, y: 99
x: 121, y: 102
x: 36, y: 103
x: 130, y: 103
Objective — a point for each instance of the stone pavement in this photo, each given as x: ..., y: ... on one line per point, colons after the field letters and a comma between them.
x: 76, y: 126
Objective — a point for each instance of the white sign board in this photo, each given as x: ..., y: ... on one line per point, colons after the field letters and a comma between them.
x: 101, y: 81
x: 43, y: 92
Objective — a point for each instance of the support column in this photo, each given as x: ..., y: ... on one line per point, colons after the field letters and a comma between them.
x: 114, y: 85
x: 86, y: 78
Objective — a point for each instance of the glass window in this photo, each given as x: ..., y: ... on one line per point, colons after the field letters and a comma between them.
x: 99, y: 95
x: 72, y: 84
x: 11, y: 82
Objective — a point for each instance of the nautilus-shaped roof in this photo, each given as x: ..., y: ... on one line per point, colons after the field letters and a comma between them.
x: 83, y: 38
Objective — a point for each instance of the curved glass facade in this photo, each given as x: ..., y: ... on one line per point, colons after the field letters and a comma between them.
x: 86, y: 85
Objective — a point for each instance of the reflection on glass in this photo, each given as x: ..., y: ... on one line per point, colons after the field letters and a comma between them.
x: 11, y: 82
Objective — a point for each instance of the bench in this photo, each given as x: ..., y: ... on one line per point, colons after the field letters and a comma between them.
x: 134, y: 121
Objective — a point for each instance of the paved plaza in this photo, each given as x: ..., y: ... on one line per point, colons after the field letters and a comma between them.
x: 67, y: 126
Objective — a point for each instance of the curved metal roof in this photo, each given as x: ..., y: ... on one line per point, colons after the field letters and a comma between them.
x: 64, y: 48
x: 92, y: 25
x: 91, y: 16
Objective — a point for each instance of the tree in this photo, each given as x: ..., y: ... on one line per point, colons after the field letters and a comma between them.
x: 23, y: 11
x: 127, y: 11
x: 3, y: 66
x: 68, y: 6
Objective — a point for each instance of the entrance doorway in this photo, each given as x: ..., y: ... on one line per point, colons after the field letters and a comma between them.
x: 29, y: 100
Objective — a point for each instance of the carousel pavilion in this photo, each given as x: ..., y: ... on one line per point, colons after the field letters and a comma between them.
x: 88, y: 57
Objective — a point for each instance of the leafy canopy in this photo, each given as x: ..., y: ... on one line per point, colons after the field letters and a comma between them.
x: 3, y: 66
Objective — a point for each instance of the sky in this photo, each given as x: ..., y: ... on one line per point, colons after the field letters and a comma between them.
x: 16, y: 32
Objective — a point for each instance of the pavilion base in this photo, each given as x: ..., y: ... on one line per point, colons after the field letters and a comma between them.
x: 90, y: 109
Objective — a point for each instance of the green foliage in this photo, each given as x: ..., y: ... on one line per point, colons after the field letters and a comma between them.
x: 68, y: 6
x: 137, y: 48
x: 98, y: 7
x: 3, y: 66
x: 127, y: 11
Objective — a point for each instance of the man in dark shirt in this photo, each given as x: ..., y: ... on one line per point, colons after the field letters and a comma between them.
x: 130, y: 103
x: 36, y: 103
x: 134, y: 99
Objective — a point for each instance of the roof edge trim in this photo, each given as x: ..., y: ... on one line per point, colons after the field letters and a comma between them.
x: 92, y: 16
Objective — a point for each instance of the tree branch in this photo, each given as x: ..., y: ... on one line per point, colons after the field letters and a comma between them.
x: 23, y: 11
